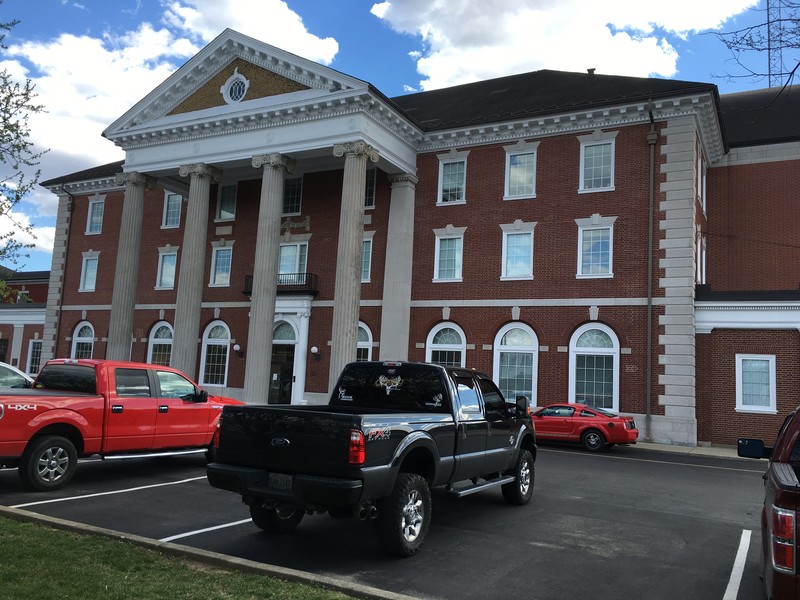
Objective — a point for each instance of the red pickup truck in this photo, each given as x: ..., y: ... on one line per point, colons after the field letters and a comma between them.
x: 779, y: 517
x: 114, y: 409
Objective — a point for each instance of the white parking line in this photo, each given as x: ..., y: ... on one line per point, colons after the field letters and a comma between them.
x: 199, y: 531
x: 738, y: 567
x: 650, y: 460
x: 125, y: 491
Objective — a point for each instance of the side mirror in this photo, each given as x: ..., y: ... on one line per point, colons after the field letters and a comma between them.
x: 523, y: 406
x: 202, y: 396
x: 753, y: 448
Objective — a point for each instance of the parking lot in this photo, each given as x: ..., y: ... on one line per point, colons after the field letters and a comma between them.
x: 630, y: 522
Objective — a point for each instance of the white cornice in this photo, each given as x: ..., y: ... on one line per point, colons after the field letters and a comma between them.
x: 87, y: 186
x: 746, y: 315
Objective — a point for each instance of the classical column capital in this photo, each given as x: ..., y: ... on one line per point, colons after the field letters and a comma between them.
x: 136, y: 179
x: 401, y: 179
x: 201, y: 170
x: 358, y: 147
x: 274, y: 160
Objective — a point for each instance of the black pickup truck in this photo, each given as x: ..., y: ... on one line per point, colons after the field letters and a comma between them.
x: 391, y: 431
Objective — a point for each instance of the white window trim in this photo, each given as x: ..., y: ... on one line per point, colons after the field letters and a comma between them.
x: 368, y: 235
x: 595, y: 139
x: 205, y: 343
x: 216, y: 247
x: 447, y: 233
x: 167, y: 196
x: 76, y: 339
x: 296, y: 241
x: 368, y: 343
x: 96, y: 199
x: 461, y: 348
x: 498, y: 348
x: 451, y: 157
x: 217, y: 217
x: 574, y: 351
x: 151, y: 341
x: 596, y: 222
x: 283, y: 197
x: 517, y: 226
x: 162, y: 252
x: 773, y: 397
x: 31, y: 344
x: 515, y: 150
x: 87, y: 256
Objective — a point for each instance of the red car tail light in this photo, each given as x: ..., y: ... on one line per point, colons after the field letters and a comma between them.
x: 355, y: 456
x: 783, y: 539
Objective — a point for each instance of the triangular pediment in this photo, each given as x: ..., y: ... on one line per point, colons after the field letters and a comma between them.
x: 270, y: 75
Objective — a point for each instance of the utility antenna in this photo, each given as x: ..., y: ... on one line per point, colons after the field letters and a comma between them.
x: 775, y: 42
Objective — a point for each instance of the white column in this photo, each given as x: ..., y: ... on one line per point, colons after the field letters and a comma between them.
x: 396, y: 312
x: 192, y: 268
x: 347, y: 294
x: 265, y: 277
x: 301, y: 352
x: 126, y: 273
x: 56, y: 286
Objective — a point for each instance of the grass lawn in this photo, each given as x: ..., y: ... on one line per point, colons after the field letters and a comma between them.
x: 38, y: 562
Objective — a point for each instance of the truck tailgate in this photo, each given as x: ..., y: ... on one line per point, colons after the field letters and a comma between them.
x: 296, y: 439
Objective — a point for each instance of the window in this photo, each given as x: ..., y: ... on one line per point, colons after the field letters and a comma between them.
x: 292, y: 195
x: 23, y: 296
x: 520, y: 171
x: 517, y: 250
x: 83, y: 341
x: 226, y: 206
x: 132, y: 383
x: 493, y: 400
x: 446, y: 345
x: 364, y: 343
x: 448, y: 253
x: 452, y: 178
x: 594, y: 367
x: 89, y: 271
x: 34, y: 357
x: 221, y: 264
x: 595, y: 246
x: 171, y: 217
x: 597, y: 162
x: 214, y: 362
x: 174, y: 386
x: 515, y: 361
x: 369, y: 189
x: 167, y: 264
x: 159, y: 346
x: 366, y: 260
x: 755, y: 383
x: 292, y: 261
x: 94, y: 219
x: 470, y: 408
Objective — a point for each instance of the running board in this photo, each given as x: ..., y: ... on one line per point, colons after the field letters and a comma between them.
x: 156, y: 454
x: 480, y: 487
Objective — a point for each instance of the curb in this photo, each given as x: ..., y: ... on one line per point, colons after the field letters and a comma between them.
x: 214, y: 559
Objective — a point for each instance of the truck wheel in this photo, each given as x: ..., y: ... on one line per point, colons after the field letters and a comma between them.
x: 48, y: 463
x: 404, y: 516
x: 276, y: 520
x: 593, y: 440
x: 519, y: 491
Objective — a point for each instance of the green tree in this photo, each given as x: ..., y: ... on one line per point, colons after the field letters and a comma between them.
x: 19, y: 159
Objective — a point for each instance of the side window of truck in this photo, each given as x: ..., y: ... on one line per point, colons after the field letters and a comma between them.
x: 492, y: 398
x: 470, y: 407
x: 174, y: 386
x: 132, y: 383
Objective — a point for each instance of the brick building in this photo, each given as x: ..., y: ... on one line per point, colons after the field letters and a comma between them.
x: 22, y: 318
x: 579, y: 236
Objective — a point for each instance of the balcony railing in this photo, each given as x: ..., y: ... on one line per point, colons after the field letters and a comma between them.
x: 288, y: 283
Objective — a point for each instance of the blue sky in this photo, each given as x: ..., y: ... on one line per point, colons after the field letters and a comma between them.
x: 91, y: 60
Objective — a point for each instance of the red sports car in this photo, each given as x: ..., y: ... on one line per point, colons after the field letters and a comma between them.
x: 595, y: 428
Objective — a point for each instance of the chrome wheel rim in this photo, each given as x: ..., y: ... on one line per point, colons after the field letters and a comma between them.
x: 524, y: 478
x: 413, y: 513
x: 53, y: 464
x: 593, y: 440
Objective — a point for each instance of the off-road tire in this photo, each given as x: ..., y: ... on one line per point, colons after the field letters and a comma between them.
x: 276, y: 520
x: 48, y: 463
x: 593, y: 440
x: 404, y: 517
x: 520, y: 491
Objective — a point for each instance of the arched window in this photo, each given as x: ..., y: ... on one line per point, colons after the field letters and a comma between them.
x: 516, y: 362
x: 83, y: 341
x: 594, y: 367
x: 364, y: 344
x: 159, y: 346
x: 284, y: 333
x: 446, y: 345
x: 214, y: 364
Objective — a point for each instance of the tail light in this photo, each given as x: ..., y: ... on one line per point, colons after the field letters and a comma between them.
x: 355, y: 455
x: 783, y: 539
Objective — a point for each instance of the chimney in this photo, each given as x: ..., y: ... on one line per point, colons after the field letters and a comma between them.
x: 590, y: 71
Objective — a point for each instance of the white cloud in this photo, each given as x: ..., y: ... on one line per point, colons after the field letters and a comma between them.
x: 470, y: 40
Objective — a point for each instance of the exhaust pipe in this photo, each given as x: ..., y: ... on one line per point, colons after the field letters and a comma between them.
x: 365, y: 511
x: 373, y: 511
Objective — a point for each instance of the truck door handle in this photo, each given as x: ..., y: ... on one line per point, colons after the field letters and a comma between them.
x: 163, y: 408
x: 116, y: 408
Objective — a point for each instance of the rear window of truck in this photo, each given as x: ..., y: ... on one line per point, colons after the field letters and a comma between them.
x: 67, y: 378
x: 387, y: 386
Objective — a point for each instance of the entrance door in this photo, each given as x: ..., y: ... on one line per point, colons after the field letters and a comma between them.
x: 281, y: 374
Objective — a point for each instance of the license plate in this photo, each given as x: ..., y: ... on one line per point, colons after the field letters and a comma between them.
x: 279, y: 481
